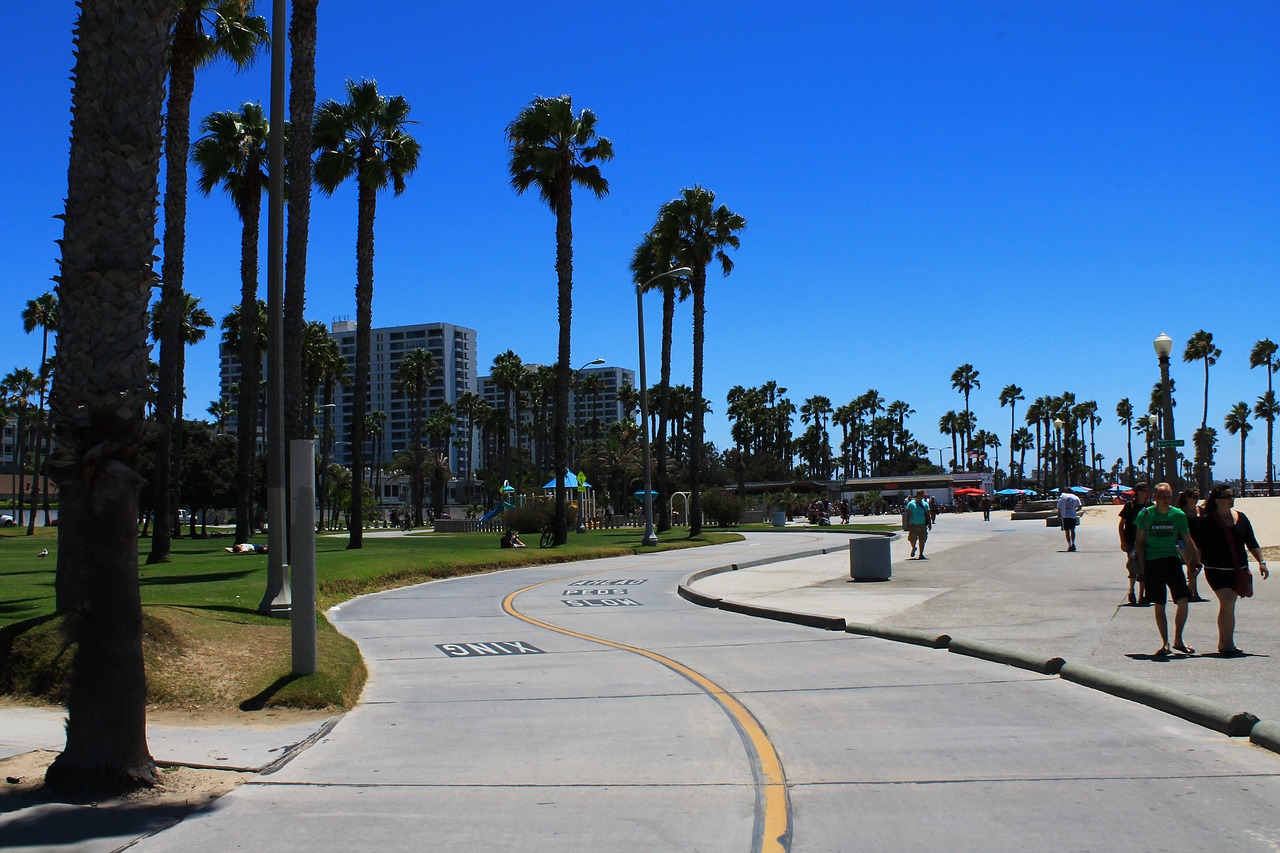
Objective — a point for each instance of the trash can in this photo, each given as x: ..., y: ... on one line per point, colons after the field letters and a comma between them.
x: 779, y: 518
x: 869, y: 558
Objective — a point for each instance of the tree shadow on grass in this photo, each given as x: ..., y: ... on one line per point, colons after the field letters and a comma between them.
x: 205, y: 577
x: 258, y: 702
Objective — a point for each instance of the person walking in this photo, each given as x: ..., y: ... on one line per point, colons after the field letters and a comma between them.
x: 1187, y: 503
x: 1159, y: 527
x: 985, y: 504
x: 1068, y: 516
x: 1223, y: 536
x: 919, y: 522
x: 1128, y: 542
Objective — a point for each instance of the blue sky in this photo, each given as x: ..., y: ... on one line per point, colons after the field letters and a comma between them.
x: 1038, y: 189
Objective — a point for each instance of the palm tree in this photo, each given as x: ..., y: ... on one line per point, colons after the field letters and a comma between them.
x: 1022, y: 441
x: 413, y: 378
x: 965, y: 379
x: 205, y: 31
x: 1263, y: 354
x: 249, y: 341
x: 648, y: 262
x: 1035, y: 414
x: 1009, y: 396
x: 508, y: 374
x: 19, y: 386
x: 233, y: 154
x: 1124, y: 413
x: 317, y: 347
x: 947, y: 426
x: 220, y: 410
x: 696, y: 232
x: 42, y: 313
x: 367, y: 138
x: 1267, y: 409
x: 333, y: 372
x: 299, y: 417
x: 100, y: 393
x: 1200, y: 348
x: 470, y: 407
x: 1237, y: 421
x: 552, y: 150
x: 191, y: 330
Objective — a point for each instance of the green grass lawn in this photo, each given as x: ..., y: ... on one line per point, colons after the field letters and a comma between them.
x: 207, y: 645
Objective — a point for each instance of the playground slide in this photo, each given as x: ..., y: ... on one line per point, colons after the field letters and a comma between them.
x: 491, y: 513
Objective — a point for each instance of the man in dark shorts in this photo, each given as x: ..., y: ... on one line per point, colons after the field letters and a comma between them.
x: 1129, y: 540
x: 1159, y: 528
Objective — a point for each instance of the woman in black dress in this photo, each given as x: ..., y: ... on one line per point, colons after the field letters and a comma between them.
x: 1223, y: 535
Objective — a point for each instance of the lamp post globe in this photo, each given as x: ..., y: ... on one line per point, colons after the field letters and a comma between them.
x: 1163, y: 345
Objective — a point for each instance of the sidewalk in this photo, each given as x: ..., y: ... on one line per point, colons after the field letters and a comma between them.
x: 1013, y: 583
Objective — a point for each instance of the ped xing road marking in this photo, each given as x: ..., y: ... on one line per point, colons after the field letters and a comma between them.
x: 772, y: 831
x: 498, y: 647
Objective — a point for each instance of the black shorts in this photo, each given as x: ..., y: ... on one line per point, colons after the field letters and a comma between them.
x: 1163, y: 573
x: 1220, y: 578
x: 1069, y: 523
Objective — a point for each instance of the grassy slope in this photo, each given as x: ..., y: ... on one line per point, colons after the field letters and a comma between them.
x: 208, y: 648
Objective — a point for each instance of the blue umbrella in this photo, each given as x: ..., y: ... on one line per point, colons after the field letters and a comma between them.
x: 1009, y: 492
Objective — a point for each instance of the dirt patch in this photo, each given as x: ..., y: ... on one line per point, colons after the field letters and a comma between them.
x: 179, y: 786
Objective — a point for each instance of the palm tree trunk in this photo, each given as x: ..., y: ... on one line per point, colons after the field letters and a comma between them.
x: 699, y: 286
x: 302, y: 106
x: 250, y: 369
x: 368, y: 201
x: 99, y: 401
x: 663, y: 507
x: 564, y: 286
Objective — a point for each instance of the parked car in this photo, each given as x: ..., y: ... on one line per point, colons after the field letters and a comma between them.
x: 6, y: 521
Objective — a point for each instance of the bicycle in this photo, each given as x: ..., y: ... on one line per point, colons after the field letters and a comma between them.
x: 548, y: 539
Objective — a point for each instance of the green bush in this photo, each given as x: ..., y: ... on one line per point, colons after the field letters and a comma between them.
x: 535, y: 515
x: 723, y: 508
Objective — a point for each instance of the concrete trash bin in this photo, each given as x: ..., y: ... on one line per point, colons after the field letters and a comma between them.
x: 869, y: 558
x: 778, y: 518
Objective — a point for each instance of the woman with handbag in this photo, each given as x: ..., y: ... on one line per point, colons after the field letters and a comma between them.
x: 1223, y: 536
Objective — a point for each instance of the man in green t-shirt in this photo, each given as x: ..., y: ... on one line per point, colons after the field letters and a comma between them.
x: 1159, y: 528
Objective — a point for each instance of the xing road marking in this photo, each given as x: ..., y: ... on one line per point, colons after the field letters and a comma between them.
x: 773, y: 804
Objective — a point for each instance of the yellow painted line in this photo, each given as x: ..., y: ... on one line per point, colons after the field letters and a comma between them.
x: 774, y: 830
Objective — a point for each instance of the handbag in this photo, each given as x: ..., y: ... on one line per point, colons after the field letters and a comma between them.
x: 1241, y: 579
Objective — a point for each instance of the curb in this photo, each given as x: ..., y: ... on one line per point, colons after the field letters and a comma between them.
x: 1230, y: 722
x: 916, y: 636
x: 1010, y: 657
x: 1266, y: 734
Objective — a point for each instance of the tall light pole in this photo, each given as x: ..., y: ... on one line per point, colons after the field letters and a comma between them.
x: 1164, y: 346
x: 577, y: 382
x: 650, y: 537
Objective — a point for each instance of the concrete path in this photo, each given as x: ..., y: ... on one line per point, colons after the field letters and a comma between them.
x: 528, y: 710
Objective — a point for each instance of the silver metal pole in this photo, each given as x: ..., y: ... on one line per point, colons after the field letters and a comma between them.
x: 650, y: 537
x: 302, y: 551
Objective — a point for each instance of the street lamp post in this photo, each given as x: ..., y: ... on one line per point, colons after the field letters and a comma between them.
x: 650, y: 537
x: 1164, y: 346
x: 577, y: 377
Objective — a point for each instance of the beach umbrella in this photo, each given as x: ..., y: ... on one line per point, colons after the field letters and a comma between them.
x: 970, y: 492
x: 1081, y: 490
x: 1008, y: 492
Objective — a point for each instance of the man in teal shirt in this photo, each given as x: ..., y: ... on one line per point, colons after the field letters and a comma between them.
x: 919, y: 521
x: 1159, y: 529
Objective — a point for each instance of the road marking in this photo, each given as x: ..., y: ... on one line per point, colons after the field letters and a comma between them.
x: 773, y: 804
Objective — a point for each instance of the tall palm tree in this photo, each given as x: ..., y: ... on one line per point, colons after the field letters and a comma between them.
x: 413, y: 378
x: 248, y: 340
x: 1200, y: 347
x: 1237, y: 422
x: 42, y: 313
x: 552, y: 150
x: 191, y: 330
x: 317, y: 348
x: 947, y: 426
x: 1009, y: 396
x: 1035, y: 414
x: 100, y: 393
x: 1267, y: 409
x: 697, y: 232
x: 220, y: 410
x: 1022, y: 441
x: 1263, y: 354
x: 648, y: 261
x: 366, y: 138
x: 333, y: 372
x: 1124, y: 413
x: 204, y: 32
x: 469, y: 407
x: 233, y: 154
x: 18, y: 387
x: 965, y: 379
x: 299, y: 416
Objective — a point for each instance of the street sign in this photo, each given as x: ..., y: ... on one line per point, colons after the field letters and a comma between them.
x: 1164, y: 444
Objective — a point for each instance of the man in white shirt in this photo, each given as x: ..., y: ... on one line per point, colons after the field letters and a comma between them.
x: 1069, y: 516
